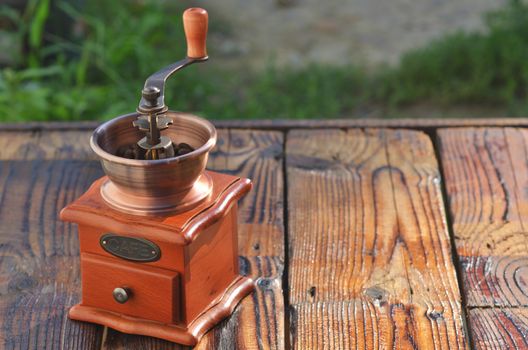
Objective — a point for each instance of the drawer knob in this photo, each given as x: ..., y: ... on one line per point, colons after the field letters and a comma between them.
x: 121, y: 294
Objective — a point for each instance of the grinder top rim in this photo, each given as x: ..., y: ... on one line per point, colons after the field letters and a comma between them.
x: 103, y: 154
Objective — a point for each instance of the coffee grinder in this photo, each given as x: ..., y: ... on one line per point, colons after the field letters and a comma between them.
x: 158, y: 233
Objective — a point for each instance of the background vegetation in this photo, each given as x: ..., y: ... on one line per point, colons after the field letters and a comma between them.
x: 91, y: 64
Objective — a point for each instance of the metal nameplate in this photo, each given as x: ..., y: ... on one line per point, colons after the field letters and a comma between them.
x: 130, y: 248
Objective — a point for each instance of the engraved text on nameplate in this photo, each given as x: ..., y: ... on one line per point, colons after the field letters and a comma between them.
x: 130, y: 248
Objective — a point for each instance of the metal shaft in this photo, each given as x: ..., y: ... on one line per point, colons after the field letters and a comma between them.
x: 153, y: 134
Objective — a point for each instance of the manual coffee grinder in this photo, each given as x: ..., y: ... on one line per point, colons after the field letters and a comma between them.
x: 158, y: 233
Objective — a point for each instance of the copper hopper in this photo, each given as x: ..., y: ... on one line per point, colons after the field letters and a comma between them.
x: 155, y: 186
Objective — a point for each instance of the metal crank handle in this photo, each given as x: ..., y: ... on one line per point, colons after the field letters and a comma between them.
x: 195, y: 22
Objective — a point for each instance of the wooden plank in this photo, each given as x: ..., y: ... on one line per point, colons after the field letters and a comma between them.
x: 370, y: 259
x: 39, y: 264
x: 258, y: 322
x: 287, y: 124
x: 51, y: 144
x: 499, y: 328
x: 35, y: 247
x: 486, y: 176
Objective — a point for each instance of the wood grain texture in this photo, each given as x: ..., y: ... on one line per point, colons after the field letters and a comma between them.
x: 486, y: 176
x: 39, y: 263
x: 499, y: 329
x: 49, y: 145
x: 258, y: 321
x: 370, y: 258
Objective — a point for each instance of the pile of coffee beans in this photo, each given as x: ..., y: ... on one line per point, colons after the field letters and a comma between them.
x: 133, y: 151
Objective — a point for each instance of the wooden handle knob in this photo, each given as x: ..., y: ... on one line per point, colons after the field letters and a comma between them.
x: 195, y: 25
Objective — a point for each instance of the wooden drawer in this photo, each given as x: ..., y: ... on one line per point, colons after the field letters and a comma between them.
x: 154, y: 292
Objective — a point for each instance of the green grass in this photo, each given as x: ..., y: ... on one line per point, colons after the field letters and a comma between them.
x: 96, y: 71
x: 489, y: 68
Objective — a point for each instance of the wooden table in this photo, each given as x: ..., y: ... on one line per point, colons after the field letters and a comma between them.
x: 360, y: 234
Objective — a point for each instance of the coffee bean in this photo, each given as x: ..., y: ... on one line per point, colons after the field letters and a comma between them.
x: 185, y: 146
x: 182, y: 151
x: 129, y: 154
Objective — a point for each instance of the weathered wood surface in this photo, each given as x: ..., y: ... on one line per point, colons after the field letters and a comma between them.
x: 39, y: 264
x: 369, y: 262
x: 51, y: 145
x: 486, y: 178
x: 499, y: 328
x: 486, y: 175
x: 370, y: 258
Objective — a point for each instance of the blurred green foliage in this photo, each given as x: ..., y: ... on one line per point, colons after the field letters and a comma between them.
x: 488, y: 68
x: 96, y: 72
x: 97, y: 69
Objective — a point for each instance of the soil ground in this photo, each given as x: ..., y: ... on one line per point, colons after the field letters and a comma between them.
x: 367, y: 32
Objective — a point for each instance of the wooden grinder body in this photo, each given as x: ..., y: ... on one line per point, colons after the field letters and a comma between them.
x: 192, y: 285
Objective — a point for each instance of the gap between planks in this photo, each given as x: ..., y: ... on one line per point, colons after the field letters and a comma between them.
x: 454, y: 253
x: 285, y: 275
